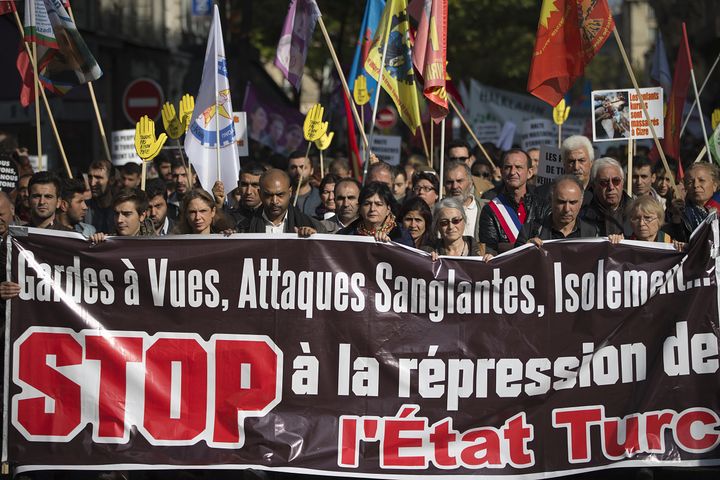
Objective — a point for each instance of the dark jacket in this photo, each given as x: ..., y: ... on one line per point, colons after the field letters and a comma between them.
x: 492, y: 234
x: 543, y: 229
x: 397, y: 234
x: 295, y: 219
x: 102, y: 218
x: 608, y: 222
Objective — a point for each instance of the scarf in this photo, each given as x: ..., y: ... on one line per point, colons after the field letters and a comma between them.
x: 386, y: 227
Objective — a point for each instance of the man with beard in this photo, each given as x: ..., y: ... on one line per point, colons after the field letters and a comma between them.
x: 100, y: 213
x: 72, y: 208
x: 44, y: 188
x: 277, y: 215
x: 158, y: 207
x: 300, y: 170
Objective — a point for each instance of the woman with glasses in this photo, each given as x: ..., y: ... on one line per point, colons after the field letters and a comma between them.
x: 701, y: 183
x: 646, y: 216
x: 448, y: 224
x: 417, y: 219
x: 376, y: 204
x: 426, y: 185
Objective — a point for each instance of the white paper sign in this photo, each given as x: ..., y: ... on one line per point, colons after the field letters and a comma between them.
x: 538, y: 132
x: 387, y: 148
x: 618, y: 114
x: 123, y: 147
x: 241, y: 133
x: 550, y: 165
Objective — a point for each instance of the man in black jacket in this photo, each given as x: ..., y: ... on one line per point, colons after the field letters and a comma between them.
x: 502, y: 218
x: 562, y: 222
x: 607, y: 209
x: 276, y: 214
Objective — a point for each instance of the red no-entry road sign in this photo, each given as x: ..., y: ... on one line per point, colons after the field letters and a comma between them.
x: 143, y: 97
x: 386, y: 118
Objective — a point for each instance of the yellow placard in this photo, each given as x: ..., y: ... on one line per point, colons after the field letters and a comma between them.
x: 171, y: 121
x: 360, y: 91
x: 187, y: 105
x: 715, y: 118
x: 560, y: 112
x: 324, y: 142
x: 176, y: 125
x: 146, y: 145
x: 314, y: 127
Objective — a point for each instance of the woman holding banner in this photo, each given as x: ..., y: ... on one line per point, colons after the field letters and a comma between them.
x: 448, y: 224
x: 200, y: 216
x: 376, y: 218
x: 646, y: 217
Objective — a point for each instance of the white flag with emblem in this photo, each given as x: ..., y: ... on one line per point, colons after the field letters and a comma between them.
x: 210, y: 141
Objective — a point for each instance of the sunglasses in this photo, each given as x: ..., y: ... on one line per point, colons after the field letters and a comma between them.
x: 457, y: 159
x: 447, y: 221
x: 423, y: 189
x: 605, y: 182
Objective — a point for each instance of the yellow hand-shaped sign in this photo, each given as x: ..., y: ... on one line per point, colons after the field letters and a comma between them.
x: 171, y: 121
x: 360, y: 91
x: 176, y: 125
x: 187, y: 105
x: 715, y: 118
x: 324, y: 142
x: 314, y: 127
x: 146, y: 145
x: 560, y: 112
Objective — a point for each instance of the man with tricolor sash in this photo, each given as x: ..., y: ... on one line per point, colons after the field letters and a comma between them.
x: 502, y: 218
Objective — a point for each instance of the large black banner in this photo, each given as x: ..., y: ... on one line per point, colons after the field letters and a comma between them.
x: 343, y: 356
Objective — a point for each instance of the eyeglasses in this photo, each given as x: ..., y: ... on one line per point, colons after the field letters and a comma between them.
x: 646, y: 219
x: 423, y: 189
x: 447, y: 221
x: 457, y: 159
x: 605, y: 182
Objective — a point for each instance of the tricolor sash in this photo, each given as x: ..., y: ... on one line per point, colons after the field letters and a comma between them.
x: 506, y: 215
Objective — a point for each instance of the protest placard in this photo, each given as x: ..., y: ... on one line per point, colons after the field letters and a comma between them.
x: 123, y: 147
x: 387, y: 148
x: 550, y: 165
x: 618, y: 114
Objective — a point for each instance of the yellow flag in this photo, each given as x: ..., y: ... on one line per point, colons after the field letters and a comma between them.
x: 398, y: 78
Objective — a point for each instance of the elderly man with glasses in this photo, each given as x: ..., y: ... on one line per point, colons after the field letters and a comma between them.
x: 607, y: 209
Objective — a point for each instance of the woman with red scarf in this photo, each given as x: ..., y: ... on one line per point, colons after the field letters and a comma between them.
x: 376, y: 216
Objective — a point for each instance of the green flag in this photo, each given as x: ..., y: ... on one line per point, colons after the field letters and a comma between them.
x: 714, y: 143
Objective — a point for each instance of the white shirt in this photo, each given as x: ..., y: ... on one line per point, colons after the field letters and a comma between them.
x: 471, y: 212
x: 270, y: 227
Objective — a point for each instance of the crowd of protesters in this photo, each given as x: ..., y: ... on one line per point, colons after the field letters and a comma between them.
x: 478, y: 211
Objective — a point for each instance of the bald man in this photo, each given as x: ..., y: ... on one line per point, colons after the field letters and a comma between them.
x: 277, y: 215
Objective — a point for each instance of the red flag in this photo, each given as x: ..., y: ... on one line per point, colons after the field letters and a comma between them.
x: 6, y: 6
x: 356, y: 161
x: 676, y: 103
x: 570, y: 33
x: 430, y: 53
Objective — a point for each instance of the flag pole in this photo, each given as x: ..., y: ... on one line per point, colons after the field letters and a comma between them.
x: 185, y: 165
x: 702, y: 120
x: 377, y: 92
x: 470, y: 131
x: 623, y: 53
x: 629, y: 164
x: 217, y: 105
x: 432, y: 141
x: 442, y: 156
x: 45, y: 101
x: 96, y: 108
x: 33, y: 60
x: 424, y: 140
x: 702, y: 87
x: 343, y: 81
